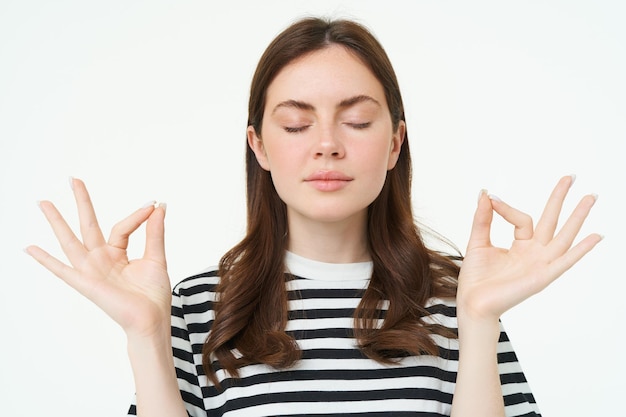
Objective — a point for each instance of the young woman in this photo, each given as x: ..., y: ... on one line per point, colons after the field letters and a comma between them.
x: 331, y: 304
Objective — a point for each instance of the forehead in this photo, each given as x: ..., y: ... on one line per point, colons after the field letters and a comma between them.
x: 332, y: 73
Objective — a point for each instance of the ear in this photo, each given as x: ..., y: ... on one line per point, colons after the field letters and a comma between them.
x: 396, y: 145
x: 256, y: 144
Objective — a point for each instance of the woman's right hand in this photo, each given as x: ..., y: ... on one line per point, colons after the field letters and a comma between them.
x: 135, y: 293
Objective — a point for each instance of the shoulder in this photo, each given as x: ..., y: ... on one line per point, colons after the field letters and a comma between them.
x: 193, y: 302
x: 197, y: 289
x: 197, y: 282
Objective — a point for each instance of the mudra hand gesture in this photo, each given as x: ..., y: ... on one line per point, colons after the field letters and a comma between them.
x: 492, y: 279
x: 135, y: 293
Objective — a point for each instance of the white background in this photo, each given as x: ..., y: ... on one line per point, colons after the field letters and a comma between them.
x: 147, y: 100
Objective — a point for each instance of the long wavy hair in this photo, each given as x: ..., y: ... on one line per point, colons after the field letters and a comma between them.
x: 251, y: 310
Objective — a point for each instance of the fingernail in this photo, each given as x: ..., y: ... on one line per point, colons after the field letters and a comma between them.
x: 163, y: 206
x: 71, y: 180
x: 494, y: 197
x: 573, y: 176
x: 595, y: 196
x: 481, y: 193
x: 149, y: 203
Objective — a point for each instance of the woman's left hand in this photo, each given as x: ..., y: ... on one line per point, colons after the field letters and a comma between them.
x: 492, y: 279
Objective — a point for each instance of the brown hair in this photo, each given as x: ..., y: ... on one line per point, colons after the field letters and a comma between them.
x: 251, y: 312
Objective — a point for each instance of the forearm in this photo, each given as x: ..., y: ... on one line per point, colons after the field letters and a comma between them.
x: 478, y: 392
x: 156, y: 385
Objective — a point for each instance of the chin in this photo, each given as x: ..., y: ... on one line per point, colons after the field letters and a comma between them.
x: 331, y: 215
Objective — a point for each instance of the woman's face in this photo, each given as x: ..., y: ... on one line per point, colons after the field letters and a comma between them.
x: 327, y: 137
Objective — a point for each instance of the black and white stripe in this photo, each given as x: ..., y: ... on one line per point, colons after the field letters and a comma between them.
x: 333, y: 377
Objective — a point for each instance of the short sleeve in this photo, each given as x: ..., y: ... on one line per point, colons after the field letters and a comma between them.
x: 518, y: 398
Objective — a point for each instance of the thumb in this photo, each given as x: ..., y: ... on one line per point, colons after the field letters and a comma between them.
x: 481, y: 226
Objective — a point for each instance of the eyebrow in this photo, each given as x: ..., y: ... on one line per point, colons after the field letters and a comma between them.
x: 356, y: 100
x: 348, y: 102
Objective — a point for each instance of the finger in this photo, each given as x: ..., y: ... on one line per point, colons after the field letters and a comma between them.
x: 72, y: 247
x: 52, y: 264
x: 120, y: 233
x: 564, y: 239
x: 68, y: 274
x: 481, y: 225
x: 89, y: 228
x: 550, y: 216
x: 522, y: 222
x: 155, y: 235
x: 575, y: 254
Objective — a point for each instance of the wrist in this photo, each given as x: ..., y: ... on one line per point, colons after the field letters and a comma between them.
x: 150, y: 355
x: 159, y: 340
x: 156, y: 385
x: 483, y: 329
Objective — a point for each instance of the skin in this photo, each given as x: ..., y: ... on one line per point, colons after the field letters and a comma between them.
x: 493, y: 280
x: 323, y: 225
x: 327, y: 113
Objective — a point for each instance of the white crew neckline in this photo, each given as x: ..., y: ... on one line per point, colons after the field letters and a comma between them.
x: 325, y: 271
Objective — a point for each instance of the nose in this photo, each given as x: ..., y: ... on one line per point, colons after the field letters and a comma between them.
x: 328, y: 144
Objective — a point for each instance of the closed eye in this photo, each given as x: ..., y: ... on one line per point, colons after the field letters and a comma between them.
x: 296, y: 129
x: 359, y: 125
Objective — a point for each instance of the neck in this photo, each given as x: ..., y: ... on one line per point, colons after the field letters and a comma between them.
x: 333, y: 242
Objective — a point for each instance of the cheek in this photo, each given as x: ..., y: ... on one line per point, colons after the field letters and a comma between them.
x: 284, y: 184
x: 375, y: 158
x: 284, y: 167
x: 281, y: 158
x: 377, y: 166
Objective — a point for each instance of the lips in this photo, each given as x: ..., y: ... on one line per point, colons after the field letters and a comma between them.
x: 328, y: 180
x: 328, y: 176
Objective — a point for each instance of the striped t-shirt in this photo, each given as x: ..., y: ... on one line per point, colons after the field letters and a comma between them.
x: 333, y: 377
